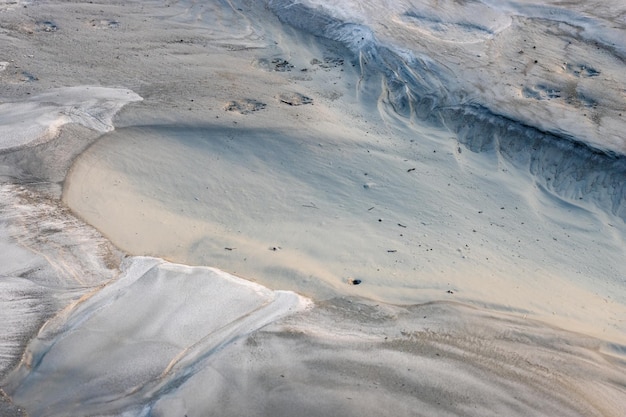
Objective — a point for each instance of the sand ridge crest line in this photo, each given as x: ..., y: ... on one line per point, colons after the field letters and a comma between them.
x: 89, y: 106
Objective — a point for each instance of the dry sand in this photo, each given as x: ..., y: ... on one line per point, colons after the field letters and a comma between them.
x: 243, y: 144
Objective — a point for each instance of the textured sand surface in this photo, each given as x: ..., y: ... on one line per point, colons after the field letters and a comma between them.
x: 153, y: 152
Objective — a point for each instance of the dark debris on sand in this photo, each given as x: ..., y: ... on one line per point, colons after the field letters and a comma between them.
x: 244, y: 106
x: 294, y: 99
x: 275, y: 64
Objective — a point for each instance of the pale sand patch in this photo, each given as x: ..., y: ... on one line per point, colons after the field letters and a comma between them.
x: 167, y: 346
x: 297, y: 211
x: 38, y: 119
x: 149, y: 330
x: 292, y: 178
x: 50, y: 260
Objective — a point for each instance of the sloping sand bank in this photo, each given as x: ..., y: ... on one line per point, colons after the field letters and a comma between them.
x: 476, y: 197
x: 310, y: 211
x: 168, y: 340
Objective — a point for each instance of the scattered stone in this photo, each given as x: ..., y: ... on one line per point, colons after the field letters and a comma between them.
x: 354, y: 281
x: 47, y: 26
x: 294, y: 99
x: 328, y: 62
x: 275, y: 248
x: 410, y: 170
x: 28, y: 77
x: 450, y: 292
x: 245, y: 106
x: 274, y: 64
x: 106, y: 24
x: 281, y: 65
x: 581, y: 70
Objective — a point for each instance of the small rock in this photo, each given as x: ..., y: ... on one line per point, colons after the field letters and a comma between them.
x: 244, y: 106
x: 294, y: 99
x: 281, y: 65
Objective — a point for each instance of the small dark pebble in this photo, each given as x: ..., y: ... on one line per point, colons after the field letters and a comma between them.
x: 410, y: 170
x: 450, y: 292
x: 354, y: 281
x: 392, y: 251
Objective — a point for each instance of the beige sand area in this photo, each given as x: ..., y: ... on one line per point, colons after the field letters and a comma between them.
x: 307, y: 197
x: 481, y: 292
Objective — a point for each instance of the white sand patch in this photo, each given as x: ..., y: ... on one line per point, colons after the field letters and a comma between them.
x: 140, y: 335
x: 50, y: 260
x: 38, y: 119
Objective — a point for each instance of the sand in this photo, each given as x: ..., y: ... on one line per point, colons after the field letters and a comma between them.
x: 190, y: 191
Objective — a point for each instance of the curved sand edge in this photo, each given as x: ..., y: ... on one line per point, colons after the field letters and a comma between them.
x: 334, y: 358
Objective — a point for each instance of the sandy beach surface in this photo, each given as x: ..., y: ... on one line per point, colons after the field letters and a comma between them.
x: 302, y: 208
